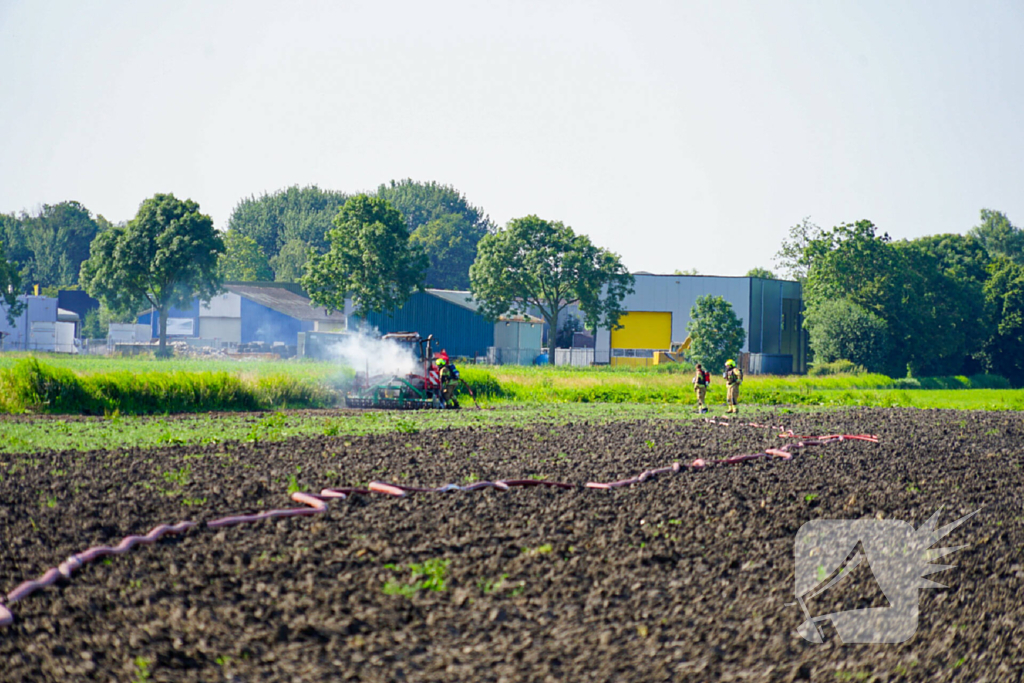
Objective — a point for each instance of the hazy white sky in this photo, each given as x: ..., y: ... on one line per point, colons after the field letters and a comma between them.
x: 677, y: 134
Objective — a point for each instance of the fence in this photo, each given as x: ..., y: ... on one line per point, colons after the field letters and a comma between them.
x: 580, y: 357
x: 498, y: 355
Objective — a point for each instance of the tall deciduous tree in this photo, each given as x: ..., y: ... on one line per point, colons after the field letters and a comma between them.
x: 763, y: 273
x: 49, y: 247
x: 10, y: 286
x: 1000, y: 236
x: 243, y: 260
x: 842, y: 330
x: 444, y: 223
x: 716, y: 332
x: 292, y: 214
x: 1004, y: 291
x: 534, y: 264
x: 370, y: 260
x: 165, y: 256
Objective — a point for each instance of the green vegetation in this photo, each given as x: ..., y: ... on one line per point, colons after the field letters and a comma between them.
x: 162, y: 258
x: 431, y: 575
x: 370, y: 260
x: 716, y: 331
x: 39, y: 387
x: 544, y: 266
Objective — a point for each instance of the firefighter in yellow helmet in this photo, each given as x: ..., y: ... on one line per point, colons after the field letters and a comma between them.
x: 733, y: 379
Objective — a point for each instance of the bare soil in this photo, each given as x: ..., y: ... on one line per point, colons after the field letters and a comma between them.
x: 681, y: 577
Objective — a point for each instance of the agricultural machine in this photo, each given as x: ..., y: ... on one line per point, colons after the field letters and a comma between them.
x: 418, y: 390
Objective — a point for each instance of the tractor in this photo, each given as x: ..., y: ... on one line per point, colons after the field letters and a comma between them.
x: 418, y: 390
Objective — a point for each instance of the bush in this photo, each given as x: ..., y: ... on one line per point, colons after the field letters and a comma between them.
x: 841, y: 329
x: 837, y: 367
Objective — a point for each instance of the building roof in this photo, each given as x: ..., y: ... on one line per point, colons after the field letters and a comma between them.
x: 466, y: 300
x: 283, y: 300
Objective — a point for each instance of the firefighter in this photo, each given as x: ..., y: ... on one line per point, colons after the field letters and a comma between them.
x: 733, y: 379
x: 448, y: 380
x: 701, y: 380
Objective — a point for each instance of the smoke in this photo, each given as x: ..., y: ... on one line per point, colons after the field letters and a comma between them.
x: 364, y: 352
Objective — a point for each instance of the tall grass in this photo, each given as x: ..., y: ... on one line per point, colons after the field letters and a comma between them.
x: 32, y: 386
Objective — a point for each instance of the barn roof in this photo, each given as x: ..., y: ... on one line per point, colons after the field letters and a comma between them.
x: 283, y: 299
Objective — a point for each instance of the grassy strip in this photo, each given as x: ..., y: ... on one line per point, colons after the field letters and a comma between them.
x: 139, y: 431
x: 572, y: 385
x: 32, y: 386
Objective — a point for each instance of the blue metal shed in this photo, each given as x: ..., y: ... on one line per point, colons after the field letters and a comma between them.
x: 454, y: 322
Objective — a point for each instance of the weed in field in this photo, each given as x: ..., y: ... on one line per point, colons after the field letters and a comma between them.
x: 193, y: 502
x: 539, y: 550
x: 406, y: 427
x: 181, y: 477
x: 488, y: 586
x: 471, y: 479
x: 809, y: 497
x: 142, y: 672
x: 430, y: 575
x: 294, y: 486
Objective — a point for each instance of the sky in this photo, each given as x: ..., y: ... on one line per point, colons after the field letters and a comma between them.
x: 680, y: 135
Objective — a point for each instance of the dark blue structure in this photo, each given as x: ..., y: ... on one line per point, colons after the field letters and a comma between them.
x: 76, y: 301
x: 262, y: 324
x: 458, y: 327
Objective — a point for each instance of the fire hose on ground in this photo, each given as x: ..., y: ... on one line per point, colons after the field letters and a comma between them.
x: 317, y: 504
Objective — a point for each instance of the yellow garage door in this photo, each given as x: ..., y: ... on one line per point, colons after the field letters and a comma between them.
x: 643, y: 330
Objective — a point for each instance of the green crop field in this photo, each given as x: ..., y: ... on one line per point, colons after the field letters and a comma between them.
x: 92, y: 385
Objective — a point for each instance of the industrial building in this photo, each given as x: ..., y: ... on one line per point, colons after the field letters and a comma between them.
x: 455, y: 321
x: 247, y: 313
x: 659, y: 309
x: 42, y: 326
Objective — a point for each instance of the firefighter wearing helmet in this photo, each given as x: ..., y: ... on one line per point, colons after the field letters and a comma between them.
x: 733, y: 378
x: 449, y: 375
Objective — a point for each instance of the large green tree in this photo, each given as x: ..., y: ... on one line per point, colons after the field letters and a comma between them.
x: 165, y: 256
x: 370, y: 260
x: 1000, y: 236
x: 49, y: 247
x: 538, y: 265
x: 10, y: 286
x: 1004, y: 292
x: 444, y: 223
x: 842, y: 330
x: 243, y: 260
x: 716, y: 333
x: 293, y: 214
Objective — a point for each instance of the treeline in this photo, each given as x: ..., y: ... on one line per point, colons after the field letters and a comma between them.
x: 938, y: 305
x: 271, y: 237
x: 47, y: 248
x: 268, y: 238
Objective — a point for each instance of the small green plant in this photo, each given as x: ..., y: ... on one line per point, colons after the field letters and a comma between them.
x: 960, y: 662
x: 431, y: 575
x: 488, y: 586
x: 294, y: 486
x: 223, y: 660
x: 193, y: 502
x: 180, y: 477
x: 51, y: 501
x: 142, y: 672
x: 269, y: 427
x: 332, y: 428
x: 539, y: 550
x: 471, y: 479
x: 810, y: 496
x: 406, y: 427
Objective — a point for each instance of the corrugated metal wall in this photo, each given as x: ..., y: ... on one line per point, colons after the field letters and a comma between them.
x: 262, y: 324
x: 458, y: 330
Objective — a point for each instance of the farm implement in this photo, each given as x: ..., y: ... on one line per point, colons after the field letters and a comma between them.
x: 423, y: 389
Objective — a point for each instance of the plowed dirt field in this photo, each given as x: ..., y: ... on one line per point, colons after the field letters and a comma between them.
x: 682, y: 577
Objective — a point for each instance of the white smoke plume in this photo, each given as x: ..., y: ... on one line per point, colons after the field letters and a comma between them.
x: 366, y: 352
